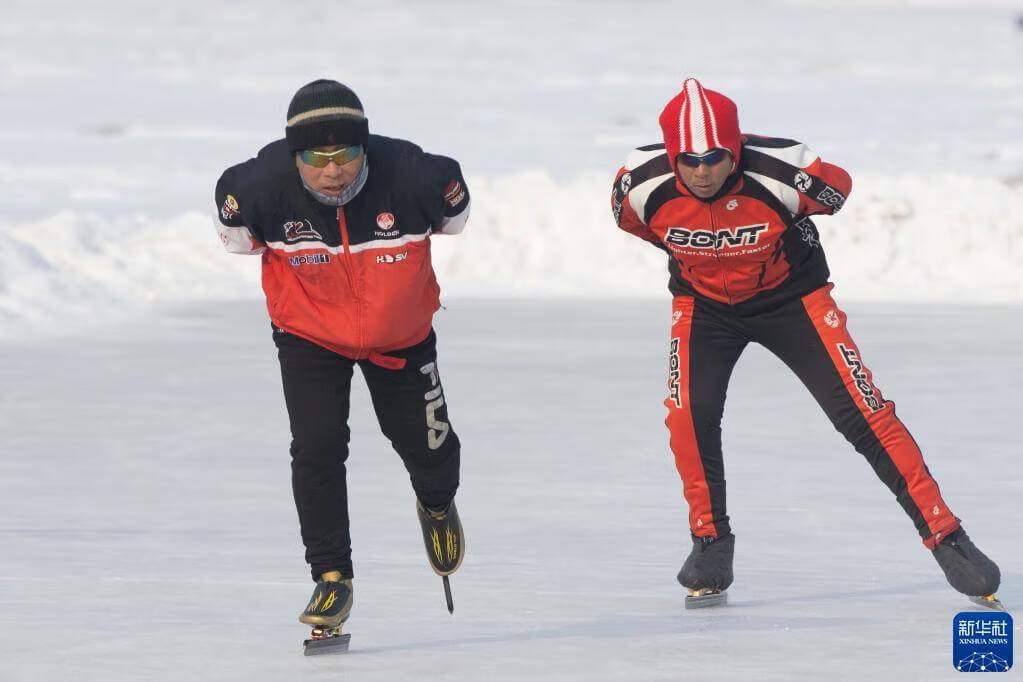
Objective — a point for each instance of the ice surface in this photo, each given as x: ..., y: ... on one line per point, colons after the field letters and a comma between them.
x: 147, y: 528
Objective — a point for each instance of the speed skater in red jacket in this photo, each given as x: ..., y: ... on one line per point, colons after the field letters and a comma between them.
x: 343, y: 222
x: 732, y: 211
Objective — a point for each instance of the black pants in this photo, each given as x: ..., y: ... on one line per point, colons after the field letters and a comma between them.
x: 810, y: 336
x: 410, y: 407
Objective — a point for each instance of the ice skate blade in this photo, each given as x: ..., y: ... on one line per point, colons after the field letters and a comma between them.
x: 702, y: 599
x: 989, y: 602
x: 326, y: 644
x: 447, y: 595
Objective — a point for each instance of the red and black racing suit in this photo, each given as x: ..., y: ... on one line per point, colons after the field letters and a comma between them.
x: 352, y: 285
x: 747, y: 266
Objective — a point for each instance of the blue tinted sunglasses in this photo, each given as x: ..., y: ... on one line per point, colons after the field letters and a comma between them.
x: 321, y: 159
x: 710, y: 158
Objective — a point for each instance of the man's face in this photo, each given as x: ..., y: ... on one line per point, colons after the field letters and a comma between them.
x: 705, y: 179
x: 333, y: 178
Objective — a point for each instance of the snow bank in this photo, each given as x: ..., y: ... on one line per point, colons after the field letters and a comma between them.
x: 910, y: 238
x: 906, y: 238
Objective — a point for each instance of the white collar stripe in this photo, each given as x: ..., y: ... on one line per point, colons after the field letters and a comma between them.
x: 354, y: 248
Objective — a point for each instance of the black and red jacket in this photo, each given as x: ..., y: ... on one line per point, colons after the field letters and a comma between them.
x: 751, y: 246
x: 356, y: 279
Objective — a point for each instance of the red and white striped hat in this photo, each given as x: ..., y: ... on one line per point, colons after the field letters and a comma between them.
x: 698, y: 120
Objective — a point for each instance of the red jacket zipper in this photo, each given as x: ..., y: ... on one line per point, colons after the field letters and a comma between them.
x: 352, y: 281
x: 721, y: 266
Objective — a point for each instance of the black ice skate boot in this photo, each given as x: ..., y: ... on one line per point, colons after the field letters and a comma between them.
x: 968, y: 569
x: 445, y: 542
x: 328, y: 608
x: 707, y: 572
x: 442, y: 534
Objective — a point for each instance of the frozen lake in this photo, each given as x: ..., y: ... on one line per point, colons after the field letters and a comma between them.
x: 147, y: 529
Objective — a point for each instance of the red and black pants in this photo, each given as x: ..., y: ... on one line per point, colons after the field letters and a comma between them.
x: 810, y: 336
x: 412, y: 413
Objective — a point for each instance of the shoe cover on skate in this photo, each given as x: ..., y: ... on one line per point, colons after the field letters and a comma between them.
x: 709, y: 565
x: 443, y: 537
x: 966, y: 568
x: 330, y: 605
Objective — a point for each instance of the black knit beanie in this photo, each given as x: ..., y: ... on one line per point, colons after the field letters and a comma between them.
x: 325, y: 113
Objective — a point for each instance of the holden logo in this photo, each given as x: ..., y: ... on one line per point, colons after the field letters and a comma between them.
x: 732, y: 205
x: 626, y: 183
x: 803, y: 181
x: 831, y: 319
x: 675, y: 317
x: 385, y: 221
x: 935, y: 511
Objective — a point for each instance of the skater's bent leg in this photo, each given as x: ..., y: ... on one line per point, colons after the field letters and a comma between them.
x: 317, y: 383
x: 412, y: 410
x: 702, y: 353
x: 814, y: 342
